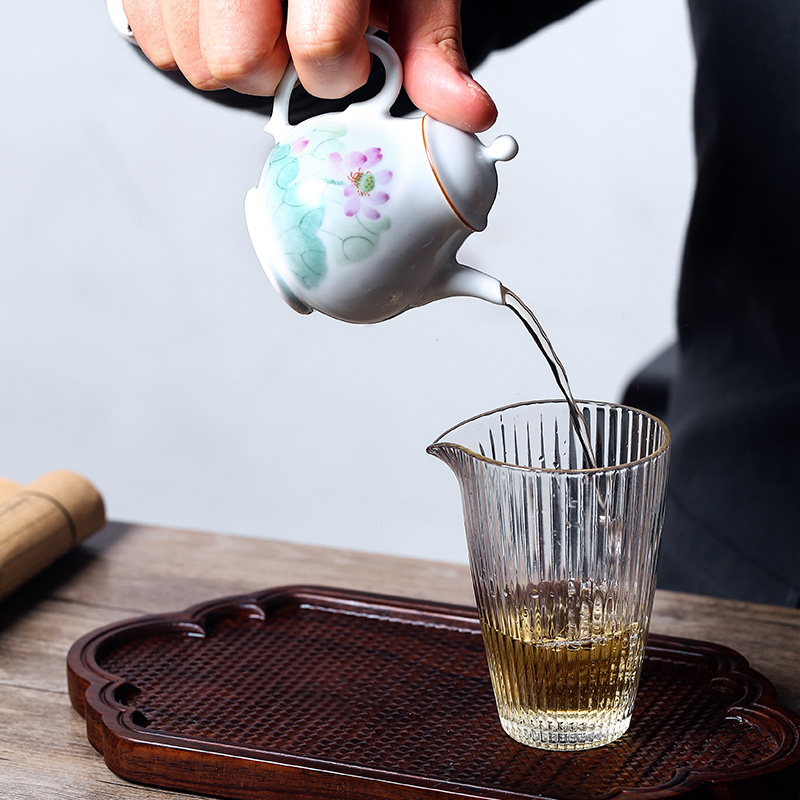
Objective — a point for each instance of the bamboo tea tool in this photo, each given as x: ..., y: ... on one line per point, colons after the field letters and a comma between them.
x: 43, y: 521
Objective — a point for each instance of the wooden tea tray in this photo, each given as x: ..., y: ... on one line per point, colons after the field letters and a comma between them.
x: 312, y: 693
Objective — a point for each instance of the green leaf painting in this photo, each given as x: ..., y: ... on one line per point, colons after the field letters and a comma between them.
x: 327, y: 204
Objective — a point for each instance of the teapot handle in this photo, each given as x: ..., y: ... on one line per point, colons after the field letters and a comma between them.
x: 382, y: 101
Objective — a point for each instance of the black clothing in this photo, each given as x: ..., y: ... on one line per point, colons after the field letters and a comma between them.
x: 732, y: 525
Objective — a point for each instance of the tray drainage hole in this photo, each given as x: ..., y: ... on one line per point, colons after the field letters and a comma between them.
x: 139, y: 719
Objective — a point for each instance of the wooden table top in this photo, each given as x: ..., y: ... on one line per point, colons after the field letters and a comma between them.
x: 129, y: 570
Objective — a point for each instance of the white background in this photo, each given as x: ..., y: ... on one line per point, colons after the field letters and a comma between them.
x: 141, y: 345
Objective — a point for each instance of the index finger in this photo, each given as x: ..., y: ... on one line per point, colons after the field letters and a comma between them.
x: 328, y: 45
x: 243, y: 44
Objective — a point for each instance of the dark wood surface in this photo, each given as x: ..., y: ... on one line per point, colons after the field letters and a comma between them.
x: 128, y: 570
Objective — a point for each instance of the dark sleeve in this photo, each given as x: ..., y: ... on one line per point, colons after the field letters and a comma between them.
x: 487, y: 25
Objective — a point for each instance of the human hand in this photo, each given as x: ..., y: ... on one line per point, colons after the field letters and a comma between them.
x: 245, y: 45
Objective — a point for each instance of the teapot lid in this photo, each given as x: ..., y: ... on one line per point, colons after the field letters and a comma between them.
x: 464, y: 168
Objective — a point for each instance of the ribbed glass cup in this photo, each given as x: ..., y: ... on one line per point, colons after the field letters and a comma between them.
x: 563, y: 561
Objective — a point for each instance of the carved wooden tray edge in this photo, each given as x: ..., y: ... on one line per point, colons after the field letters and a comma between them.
x: 136, y: 755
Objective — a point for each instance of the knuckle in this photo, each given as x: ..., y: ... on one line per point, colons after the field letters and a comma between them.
x: 230, y: 66
x: 205, y: 83
x: 322, y: 44
x: 165, y: 63
x: 160, y: 57
x: 447, y: 38
x: 200, y: 77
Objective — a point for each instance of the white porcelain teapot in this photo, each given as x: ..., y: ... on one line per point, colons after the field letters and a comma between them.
x: 360, y: 215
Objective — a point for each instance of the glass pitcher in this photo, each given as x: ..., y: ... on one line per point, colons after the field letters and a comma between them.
x: 563, y: 561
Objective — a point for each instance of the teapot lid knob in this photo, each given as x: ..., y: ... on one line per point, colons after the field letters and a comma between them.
x: 503, y: 148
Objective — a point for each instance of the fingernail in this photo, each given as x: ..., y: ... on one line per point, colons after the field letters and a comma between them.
x: 476, y: 88
x: 470, y: 81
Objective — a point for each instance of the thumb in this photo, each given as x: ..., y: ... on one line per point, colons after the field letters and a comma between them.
x: 427, y: 37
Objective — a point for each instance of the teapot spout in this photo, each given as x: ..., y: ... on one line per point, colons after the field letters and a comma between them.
x: 456, y: 280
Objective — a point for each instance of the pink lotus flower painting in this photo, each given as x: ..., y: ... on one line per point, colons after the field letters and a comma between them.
x: 361, y: 183
x: 328, y: 201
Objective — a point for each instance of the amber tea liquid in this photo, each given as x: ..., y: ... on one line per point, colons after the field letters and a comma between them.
x: 562, y: 681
